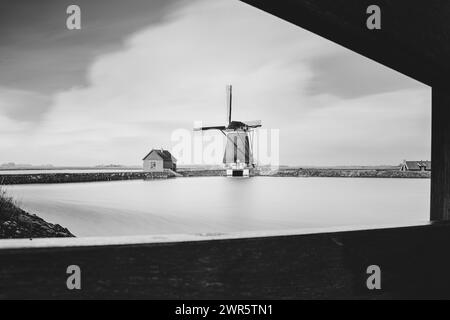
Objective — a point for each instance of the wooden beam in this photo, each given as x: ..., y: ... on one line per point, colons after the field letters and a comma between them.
x: 440, y: 155
x: 414, y: 38
x: 310, y: 266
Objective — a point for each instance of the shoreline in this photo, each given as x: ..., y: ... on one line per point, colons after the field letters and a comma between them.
x: 43, y: 178
x: 51, y: 177
x: 16, y: 223
x: 346, y: 173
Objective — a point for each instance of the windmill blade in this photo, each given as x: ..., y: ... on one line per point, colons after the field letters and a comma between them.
x: 229, y: 103
x: 253, y: 123
x: 210, y: 128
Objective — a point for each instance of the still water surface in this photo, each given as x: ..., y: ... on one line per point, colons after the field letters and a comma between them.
x: 218, y: 204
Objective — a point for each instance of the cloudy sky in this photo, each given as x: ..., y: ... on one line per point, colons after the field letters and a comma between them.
x: 138, y: 70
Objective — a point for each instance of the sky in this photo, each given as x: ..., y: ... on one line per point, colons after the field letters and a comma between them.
x: 140, y: 70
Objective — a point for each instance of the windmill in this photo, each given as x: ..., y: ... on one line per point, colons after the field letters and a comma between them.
x: 238, y: 155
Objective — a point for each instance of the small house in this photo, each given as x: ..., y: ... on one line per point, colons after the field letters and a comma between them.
x: 415, y: 165
x: 158, y: 160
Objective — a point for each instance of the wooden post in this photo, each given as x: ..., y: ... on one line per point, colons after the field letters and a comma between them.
x: 440, y: 155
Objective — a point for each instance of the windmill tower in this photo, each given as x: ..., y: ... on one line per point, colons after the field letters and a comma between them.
x: 238, y: 155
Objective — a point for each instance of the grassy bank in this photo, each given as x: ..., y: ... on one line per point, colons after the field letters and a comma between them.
x: 16, y: 223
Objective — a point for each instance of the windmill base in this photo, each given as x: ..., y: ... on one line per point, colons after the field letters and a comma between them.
x: 238, y: 173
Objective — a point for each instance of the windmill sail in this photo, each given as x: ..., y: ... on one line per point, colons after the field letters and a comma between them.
x: 210, y: 128
x: 229, y: 103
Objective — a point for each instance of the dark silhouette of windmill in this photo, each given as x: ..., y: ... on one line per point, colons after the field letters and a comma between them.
x: 238, y: 155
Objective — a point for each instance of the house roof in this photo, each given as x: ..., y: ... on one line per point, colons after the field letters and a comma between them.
x: 164, y: 154
x: 418, y: 164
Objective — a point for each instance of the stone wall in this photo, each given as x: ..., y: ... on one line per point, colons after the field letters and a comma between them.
x: 202, y: 173
x: 349, y: 173
x: 114, y: 176
x: 6, y: 179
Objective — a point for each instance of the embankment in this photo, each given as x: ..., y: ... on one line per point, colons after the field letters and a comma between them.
x: 7, y: 179
x: 343, y: 173
x: 202, y: 172
x: 16, y: 223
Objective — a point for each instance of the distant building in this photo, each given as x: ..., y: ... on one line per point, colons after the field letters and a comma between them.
x: 158, y: 159
x: 415, y: 165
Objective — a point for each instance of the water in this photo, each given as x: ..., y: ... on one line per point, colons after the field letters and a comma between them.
x: 218, y: 204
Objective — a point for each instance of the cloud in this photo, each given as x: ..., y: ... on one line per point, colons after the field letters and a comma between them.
x: 176, y: 73
x: 379, y: 129
x: 22, y: 105
x: 348, y: 75
x: 38, y: 52
x: 170, y: 74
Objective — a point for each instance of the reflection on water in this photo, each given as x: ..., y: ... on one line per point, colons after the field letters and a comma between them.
x: 217, y: 204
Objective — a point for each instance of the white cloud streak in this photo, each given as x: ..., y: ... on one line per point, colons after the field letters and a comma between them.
x: 173, y: 74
